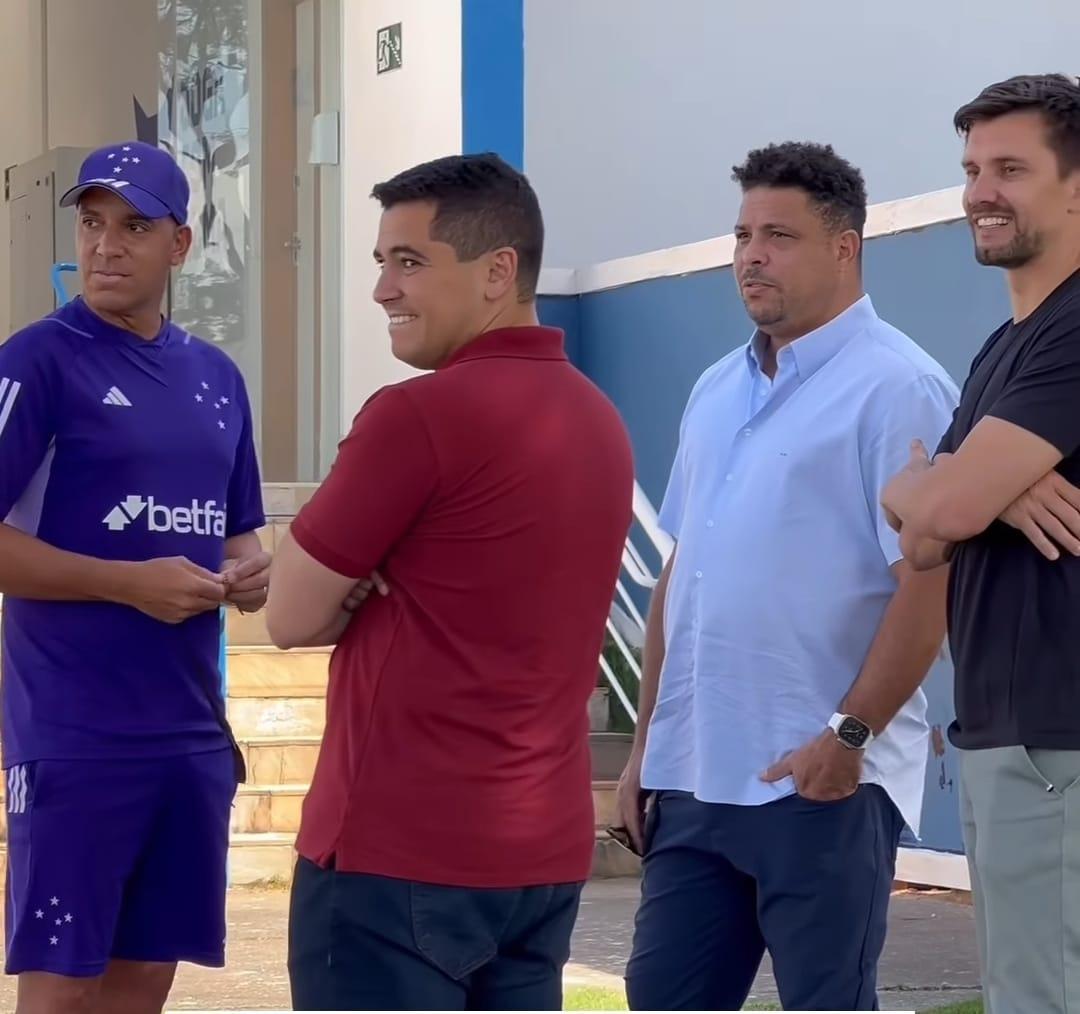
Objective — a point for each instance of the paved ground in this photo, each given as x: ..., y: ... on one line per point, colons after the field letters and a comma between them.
x: 929, y: 957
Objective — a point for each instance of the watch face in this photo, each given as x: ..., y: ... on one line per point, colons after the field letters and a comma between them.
x: 853, y: 732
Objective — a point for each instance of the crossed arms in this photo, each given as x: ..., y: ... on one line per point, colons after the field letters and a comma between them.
x: 1001, y: 471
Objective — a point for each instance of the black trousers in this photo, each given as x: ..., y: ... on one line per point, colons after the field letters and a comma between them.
x: 363, y: 942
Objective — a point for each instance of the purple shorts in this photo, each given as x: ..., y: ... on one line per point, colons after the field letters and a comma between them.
x: 117, y: 859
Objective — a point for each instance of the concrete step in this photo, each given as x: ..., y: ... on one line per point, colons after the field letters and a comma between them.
x: 610, y: 859
x: 283, y: 500
x: 269, y: 857
x: 266, y: 672
x: 262, y: 808
x: 287, y: 717
x: 277, y: 807
x: 246, y: 628
x: 603, y: 797
x: 277, y: 760
x: 261, y: 858
x: 610, y: 752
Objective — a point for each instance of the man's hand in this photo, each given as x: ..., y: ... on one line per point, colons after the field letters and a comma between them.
x: 172, y: 589
x: 919, y: 461
x: 824, y: 769
x: 1048, y: 513
x: 246, y: 581
x: 362, y: 589
x: 630, y: 801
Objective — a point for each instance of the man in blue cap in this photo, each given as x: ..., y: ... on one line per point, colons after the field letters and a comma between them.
x: 131, y: 497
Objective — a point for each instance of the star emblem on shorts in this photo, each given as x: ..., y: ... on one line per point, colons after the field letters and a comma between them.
x: 221, y: 425
x: 68, y: 917
x: 59, y: 922
x: 39, y: 914
x: 54, y: 941
x: 54, y: 901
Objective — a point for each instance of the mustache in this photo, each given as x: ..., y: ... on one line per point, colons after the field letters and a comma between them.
x: 990, y: 209
x: 755, y: 276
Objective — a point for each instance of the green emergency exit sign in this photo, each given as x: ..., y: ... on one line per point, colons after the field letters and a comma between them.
x: 388, y: 48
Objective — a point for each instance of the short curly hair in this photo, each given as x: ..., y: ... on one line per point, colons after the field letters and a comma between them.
x: 835, y: 187
x: 1055, y: 96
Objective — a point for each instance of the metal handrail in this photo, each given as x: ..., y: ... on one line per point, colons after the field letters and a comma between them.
x: 639, y: 573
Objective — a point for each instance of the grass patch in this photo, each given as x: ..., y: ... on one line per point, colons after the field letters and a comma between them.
x: 593, y: 998
x: 601, y: 999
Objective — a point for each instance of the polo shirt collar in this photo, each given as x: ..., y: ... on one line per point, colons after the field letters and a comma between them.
x: 815, y: 349
x: 513, y: 343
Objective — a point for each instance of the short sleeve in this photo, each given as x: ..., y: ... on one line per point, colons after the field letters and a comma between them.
x: 947, y: 443
x: 244, y: 512
x: 921, y: 410
x: 385, y: 473
x: 29, y: 395
x: 674, y: 502
x: 952, y: 437
x: 1043, y: 395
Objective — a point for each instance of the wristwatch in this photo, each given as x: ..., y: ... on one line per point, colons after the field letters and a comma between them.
x: 853, y: 732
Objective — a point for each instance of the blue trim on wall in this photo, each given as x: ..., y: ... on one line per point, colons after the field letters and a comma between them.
x: 493, y: 78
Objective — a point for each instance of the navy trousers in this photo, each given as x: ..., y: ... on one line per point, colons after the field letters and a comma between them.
x: 720, y: 884
x: 362, y: 942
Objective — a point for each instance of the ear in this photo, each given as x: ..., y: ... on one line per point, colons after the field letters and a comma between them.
x: 501, y: 273
x: 1074, y: 192
x: 848, y: 246
x: 181, y: 245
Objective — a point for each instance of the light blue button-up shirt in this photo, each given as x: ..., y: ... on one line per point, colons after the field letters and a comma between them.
x: 782, y: 566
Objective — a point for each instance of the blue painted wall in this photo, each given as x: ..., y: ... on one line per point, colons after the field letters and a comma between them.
x: 646, y: 344
x: 492, y: 78
x: 564, y: 312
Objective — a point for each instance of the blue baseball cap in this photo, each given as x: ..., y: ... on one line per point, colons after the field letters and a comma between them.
x: 146, y: 177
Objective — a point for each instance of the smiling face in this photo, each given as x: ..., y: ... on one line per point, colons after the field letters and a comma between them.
x: 124, y: 258
x: 1018, y: 201
x: 436, y: 303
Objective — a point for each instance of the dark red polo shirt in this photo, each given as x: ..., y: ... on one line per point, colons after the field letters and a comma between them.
x: 495, y: 497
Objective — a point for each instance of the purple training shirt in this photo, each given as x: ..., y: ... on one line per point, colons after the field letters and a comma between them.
x: 122, y: 449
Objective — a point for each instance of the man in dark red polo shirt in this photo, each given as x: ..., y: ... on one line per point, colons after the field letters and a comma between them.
x: 449, y: 826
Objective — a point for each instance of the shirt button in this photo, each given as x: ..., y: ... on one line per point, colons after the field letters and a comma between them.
x: 708, y: 524
x: 697, y: 574
x: 747, y: 432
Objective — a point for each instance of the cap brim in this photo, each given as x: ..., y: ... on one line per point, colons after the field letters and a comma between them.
x: 143, y: 202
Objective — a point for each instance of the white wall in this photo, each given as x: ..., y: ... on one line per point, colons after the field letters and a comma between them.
x: 635, y: 110
x: 389, y: 122
x: 88, y: 60
x: 21, y: 119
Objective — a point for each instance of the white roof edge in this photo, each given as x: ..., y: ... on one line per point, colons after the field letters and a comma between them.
x: 886, y: 219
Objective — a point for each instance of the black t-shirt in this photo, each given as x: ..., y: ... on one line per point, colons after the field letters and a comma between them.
x: 1011, y: 611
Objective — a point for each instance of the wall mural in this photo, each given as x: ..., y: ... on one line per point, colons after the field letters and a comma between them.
x: 203, y: 119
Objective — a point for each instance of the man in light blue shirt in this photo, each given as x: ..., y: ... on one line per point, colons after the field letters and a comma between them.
x: 782, y: 741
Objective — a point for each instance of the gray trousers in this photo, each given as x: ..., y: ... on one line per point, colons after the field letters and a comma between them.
x: 1021, y: 817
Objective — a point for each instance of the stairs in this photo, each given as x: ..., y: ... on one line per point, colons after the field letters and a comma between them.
x: 276, y: 706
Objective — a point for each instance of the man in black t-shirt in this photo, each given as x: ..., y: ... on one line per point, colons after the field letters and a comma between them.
x: 1000, y: 501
